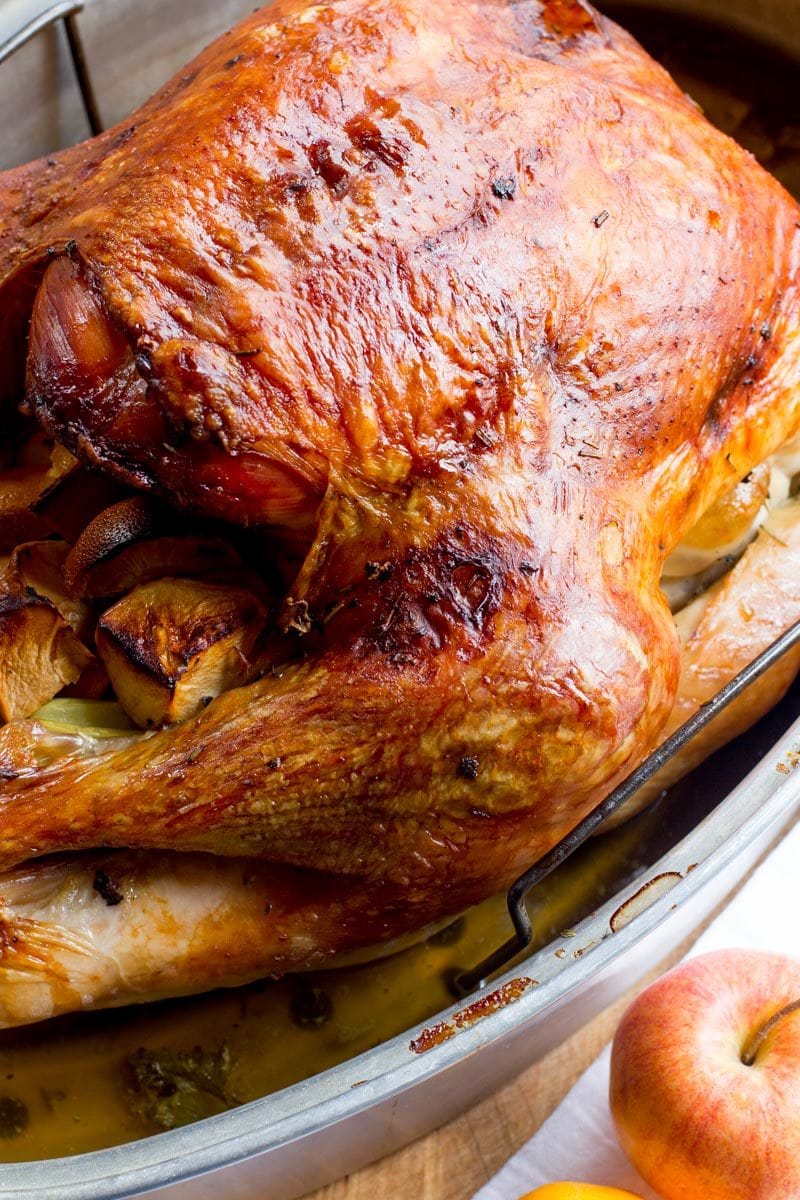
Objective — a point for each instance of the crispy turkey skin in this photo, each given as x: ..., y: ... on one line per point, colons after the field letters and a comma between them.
x: 469, y: 301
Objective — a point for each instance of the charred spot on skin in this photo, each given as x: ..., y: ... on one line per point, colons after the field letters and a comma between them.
x: 333, y: 173
x: 474, y: 588
x: 379, y: 571
x: 274, y: 764
x: 106, y: 888
x: 601, y: 218
x: 268, y: 909
x: 284, y: 188
x: 122, y: 138
x: 716, y: 418
x: 766, y: 331
x: 452, y: 588
x: 369, y: 138
x: 469, y: 767
x: 310, y: 1008
x: 143, y: 356
x: 472, y: 581
x: 505, y: 187
x: 299, y: 188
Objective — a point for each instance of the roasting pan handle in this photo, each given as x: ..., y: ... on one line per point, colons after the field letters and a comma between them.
x: 22, y: 20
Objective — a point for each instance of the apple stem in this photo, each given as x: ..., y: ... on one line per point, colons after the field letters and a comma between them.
x: 756, y: 1042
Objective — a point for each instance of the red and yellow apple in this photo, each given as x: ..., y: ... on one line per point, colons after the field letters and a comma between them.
x: 705, y: 1079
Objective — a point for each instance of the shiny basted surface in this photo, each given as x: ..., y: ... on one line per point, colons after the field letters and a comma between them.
x: 69, y: 1075
x: 474, y: 299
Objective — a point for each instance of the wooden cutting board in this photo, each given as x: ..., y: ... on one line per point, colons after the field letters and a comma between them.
x: 453, y: 1162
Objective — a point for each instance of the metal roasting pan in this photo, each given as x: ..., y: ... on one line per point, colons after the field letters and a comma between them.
x: 319, y: 1129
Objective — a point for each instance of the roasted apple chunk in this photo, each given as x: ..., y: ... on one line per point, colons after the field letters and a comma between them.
x: 36, y: 468
x: 40, y: 647
x: 39, y: 567
x: 172, y: 645
x: 39, y: 653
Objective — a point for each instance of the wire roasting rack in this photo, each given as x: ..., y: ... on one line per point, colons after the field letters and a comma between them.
x: 66, y: 11
x: 469, y: 980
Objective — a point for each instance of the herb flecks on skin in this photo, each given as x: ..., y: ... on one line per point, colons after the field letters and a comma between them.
x: 505, y: 187
x: 469, y: 767
x: 105, y: 887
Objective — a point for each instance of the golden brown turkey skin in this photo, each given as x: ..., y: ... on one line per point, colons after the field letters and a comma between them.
x: 472, y: 298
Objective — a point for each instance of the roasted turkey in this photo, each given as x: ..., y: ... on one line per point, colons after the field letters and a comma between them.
x: 466, y: 308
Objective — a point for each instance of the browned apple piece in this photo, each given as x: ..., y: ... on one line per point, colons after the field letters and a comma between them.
x: 40, y: 566
x: 39, y: 654
x: 130, y: 543
x: 171, y: 646
x: 39, y: 465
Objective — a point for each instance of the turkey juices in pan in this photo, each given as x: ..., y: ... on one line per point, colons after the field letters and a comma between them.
x: 470, y: 322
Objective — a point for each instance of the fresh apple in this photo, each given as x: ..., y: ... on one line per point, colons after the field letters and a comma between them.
x: 705, y: 1079
x: 578, y: 1191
